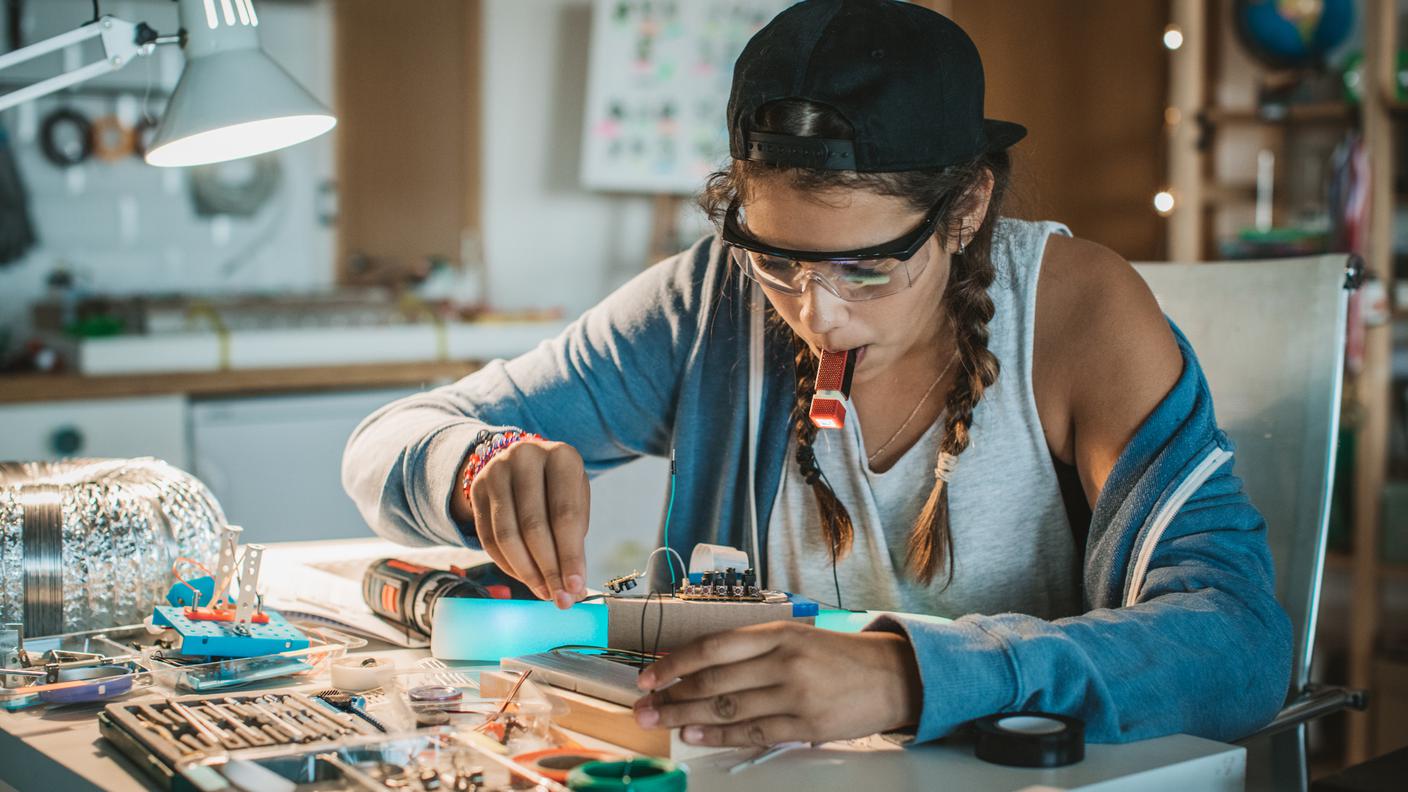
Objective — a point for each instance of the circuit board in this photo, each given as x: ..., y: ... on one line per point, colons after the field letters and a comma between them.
x: 726, y: 585
x: 230, y: 639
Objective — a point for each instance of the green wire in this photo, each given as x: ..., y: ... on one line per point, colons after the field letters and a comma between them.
x: 668, y: 510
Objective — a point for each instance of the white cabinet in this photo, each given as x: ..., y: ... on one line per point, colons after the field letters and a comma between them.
x: 147, y: 426
x: 274, y: 462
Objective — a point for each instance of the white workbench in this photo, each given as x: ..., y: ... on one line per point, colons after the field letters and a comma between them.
x: 60, y: 750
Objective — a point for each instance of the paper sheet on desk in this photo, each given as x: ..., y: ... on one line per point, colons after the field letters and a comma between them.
x: 322, y: 581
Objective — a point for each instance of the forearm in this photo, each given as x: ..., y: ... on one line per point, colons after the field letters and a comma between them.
x: 1203, y: 663
x: 904, y: 695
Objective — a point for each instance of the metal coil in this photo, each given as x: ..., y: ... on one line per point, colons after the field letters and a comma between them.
x: 89, y: 543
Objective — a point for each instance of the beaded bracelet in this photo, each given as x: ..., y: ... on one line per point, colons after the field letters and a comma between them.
x: 486, y: 445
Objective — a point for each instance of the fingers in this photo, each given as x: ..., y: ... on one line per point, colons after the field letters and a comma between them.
x: 484, y: 525
x: 569, y: 503
x: 769, y: 730
x: 503, y: 518
x: 721, y: 709
x: 714, y: 650
x: 530, y: 506
x: 758, y: 672
x: 534, y: 538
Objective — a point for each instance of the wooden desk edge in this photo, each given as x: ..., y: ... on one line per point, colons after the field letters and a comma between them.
x: 38, y: 388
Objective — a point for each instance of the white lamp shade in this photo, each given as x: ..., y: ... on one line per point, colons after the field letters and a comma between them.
x: 232, y: 104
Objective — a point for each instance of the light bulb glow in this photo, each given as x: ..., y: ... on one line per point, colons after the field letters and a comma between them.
x: 1164, y: 203
x: 1173, y: 37
x: 240, y: 140
x: 229, y: 12
x: 210, y: 19
x: 253, y: 17
x: 244, y: 11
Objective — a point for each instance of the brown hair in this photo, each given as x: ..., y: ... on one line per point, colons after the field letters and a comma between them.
x: 968, y: 306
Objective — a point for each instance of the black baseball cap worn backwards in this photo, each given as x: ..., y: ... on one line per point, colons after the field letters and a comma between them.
x: 908, y: 80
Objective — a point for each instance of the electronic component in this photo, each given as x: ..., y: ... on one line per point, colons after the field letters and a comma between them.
x: 724, y: 585
x: 833, y: 388
x: 353, y: 705
x: 623, y: 583
x: 207, y: 622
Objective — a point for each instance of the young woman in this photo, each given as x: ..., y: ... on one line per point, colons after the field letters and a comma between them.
x: 1030, y: 447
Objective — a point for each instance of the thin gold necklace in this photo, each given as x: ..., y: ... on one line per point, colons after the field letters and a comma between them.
x: 870, y: 460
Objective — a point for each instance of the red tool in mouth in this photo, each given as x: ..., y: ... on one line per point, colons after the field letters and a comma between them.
x: 833, y: 387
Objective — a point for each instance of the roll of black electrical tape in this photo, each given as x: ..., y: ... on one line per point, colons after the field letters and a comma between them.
x: 1030, y: 739
x: 66, y: 136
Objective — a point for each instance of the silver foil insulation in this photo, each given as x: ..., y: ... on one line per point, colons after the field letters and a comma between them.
x: 89, y: 543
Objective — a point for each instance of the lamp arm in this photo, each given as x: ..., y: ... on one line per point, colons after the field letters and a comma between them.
x: 123, y: 42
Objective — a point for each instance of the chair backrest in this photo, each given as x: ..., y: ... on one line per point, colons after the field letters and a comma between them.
x: 1270, y: 337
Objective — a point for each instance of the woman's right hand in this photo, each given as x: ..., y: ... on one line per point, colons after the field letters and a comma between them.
x: 530, y: 505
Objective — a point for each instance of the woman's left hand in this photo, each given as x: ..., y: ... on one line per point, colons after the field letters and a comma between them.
x: 780, y: 682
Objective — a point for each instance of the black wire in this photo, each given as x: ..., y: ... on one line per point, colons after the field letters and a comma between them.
x: 834, y: 578
x: 96, y: 14
x: 659, y: 626
x: 643, y: 607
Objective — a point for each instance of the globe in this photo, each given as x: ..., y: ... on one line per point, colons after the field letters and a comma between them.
x: 1287, y: 34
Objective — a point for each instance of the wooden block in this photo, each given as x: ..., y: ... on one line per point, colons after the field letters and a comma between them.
x: 629, y: 619
x: 603, y: 720
x: 591, y: 716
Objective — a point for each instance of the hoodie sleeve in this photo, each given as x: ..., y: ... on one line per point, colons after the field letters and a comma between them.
x: 1205, y: 650
x: 606, y: 385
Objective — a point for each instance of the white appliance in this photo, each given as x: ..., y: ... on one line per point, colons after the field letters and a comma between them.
x: 275, y: 462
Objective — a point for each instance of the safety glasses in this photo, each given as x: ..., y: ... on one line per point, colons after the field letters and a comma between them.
x: 854, y: 275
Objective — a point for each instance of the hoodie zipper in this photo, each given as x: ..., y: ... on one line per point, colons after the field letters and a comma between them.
x: 1164, y: 518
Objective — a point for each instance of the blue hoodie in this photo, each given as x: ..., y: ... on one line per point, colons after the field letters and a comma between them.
x: 1183, y: 633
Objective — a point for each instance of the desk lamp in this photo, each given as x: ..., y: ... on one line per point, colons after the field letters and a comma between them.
x: 232, y: 100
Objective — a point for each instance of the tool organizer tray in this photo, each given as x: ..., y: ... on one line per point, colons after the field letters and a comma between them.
x: 296, y: 720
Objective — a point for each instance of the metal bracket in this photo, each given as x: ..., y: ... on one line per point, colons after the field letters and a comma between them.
x: 225, y: 566
x: 121, y: 45
x: 245, y: 605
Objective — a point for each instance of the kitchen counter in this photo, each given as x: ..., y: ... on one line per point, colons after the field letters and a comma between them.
x: 25, y: 388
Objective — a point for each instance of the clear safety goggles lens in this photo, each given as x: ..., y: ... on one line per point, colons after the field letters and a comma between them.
x: 852, y: 280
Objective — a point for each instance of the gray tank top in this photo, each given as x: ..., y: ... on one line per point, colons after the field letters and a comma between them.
x: 1012, y: 543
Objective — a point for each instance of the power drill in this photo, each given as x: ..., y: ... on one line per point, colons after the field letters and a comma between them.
x: 406, y: 593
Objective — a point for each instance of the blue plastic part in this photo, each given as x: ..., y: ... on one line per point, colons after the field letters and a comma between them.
x: 118, y: 682
x: 854, y: 621
x: 803, y: 607
x: 471, y: 628
x: 181, y: 596
x: 223, y: 639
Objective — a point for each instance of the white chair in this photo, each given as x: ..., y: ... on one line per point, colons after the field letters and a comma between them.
x: 1270, y: 336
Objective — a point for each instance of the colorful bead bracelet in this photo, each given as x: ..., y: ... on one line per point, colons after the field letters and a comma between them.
x: 486, y: 445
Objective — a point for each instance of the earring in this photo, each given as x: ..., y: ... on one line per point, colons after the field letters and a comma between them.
x: 961, y: 246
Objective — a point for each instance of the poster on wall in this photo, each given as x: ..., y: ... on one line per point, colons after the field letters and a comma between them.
x: 657, y: 88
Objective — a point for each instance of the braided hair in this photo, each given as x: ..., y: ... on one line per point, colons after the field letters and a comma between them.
x: 968, y: 307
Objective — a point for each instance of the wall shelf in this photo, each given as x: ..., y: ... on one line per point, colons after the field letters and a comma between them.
x: 1341, y: 113
x: 1198, y: 86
